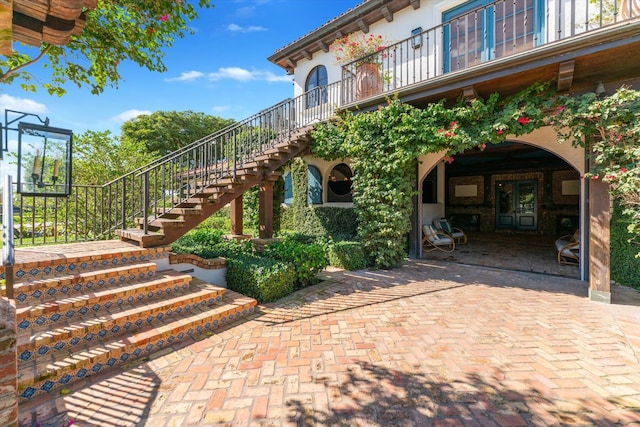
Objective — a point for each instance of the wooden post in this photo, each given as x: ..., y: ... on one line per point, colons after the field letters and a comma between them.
x: 236, y: 214
x: 266, y: 210
x: 599, y: 241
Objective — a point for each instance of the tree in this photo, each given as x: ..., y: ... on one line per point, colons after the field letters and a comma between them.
x: 99, y: 157
x: 115, y: 31
x: 165, y: 131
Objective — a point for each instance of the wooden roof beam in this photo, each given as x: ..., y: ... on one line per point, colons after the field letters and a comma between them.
x: 6, y: 35
x: 364, y: 27
x: 324, y: 45
x: 565, y: 75
x: 415, y: 4
x: 388, y: 15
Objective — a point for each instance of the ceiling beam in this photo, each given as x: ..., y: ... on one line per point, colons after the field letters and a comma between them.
x: 324, y: 45
x: 364, y: 27
x: 565, y: 75
x: 307, y: 55
x: 415, y: 4
x: 388, y: 15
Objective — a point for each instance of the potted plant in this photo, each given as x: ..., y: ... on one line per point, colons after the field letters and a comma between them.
x: 361, y: 55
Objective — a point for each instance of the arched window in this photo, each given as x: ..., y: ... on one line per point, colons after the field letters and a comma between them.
x: 315, y: 186
x: 340, y: 184
x: 316, y: 86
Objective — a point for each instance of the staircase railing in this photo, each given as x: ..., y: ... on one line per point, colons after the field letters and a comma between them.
x: 95, y: 212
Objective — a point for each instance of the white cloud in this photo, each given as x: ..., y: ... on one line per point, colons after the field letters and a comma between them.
x: 186, y: 76
x: 130, y: 114
x: 250, y: 29
x: 220, y: 108
x: 8, y: 102
x: 243, y: 75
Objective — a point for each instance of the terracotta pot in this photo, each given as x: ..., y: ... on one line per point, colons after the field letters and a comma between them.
x: 368, y: 80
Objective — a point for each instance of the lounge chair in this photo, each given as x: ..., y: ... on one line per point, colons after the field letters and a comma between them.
x: 444, y: 226
x: 433, y: 240
x: 568, y: 248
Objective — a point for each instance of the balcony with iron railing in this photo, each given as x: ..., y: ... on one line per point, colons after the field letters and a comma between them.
x: 472, y: 39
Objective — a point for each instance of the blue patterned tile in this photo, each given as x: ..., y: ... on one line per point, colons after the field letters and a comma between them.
x: 137, y: 352
x: 132, y: 276
x: 207, y: 325
x: 171, y: 339
x: 179, y: 310
x: 74, y: 341
x: 122, y: 279
x: 127, y: 326
x: 140, y: 297
x: 195, y: 304
x: 70, y: 313
x: 59, y: 345
x: 124, y: 357
x: 83, y: 310
x: 149, y: 294
x: 51, y: 292
x: 24, y: 324
x: 148, y: 348
x: 28, y: 393
x: 115, y: 329
x: 94, y: 264
x: 142, y: 257
x: 125, y: 259
x: 119, y: 302
x: 101, y: 282
x: 90, y: 336
x: 180, y: 335
x: 216, y: 322
x: 64, y: 289
x: 219, y: 298
x: 59, y: 268
x: 160, y: 343
x: 159, y: 316
x: 102, y: 333
x: 89, y: 285
x: 187, y: 307
x: 47, y: 386
x: 139, y: 322
x: 37, y: 294
x: 150, y: 274
x: 25, y: 355
x: 65, y: 379
x: 133, y: 258
x: 149, y: 319
x: 105, y: 262
x: 190, y: 331
x: 237, y: 315
x: 130, y: 299
x: 108, y: 304
x: 96, y: 368
x: 47, y: 270
x: 95, y: 307
x: 83, y: 265
x: 251, y: 309
x: 81, y: 373
x: 72, y: 267
x: 211, y: 301
x: 43, y: 350
x: 199, y: 329
x: 34, y: 271
x: 40, y: 321
x: 114, y: 261
x: 21, y: 297
x: 20, y: 274
x: 77, y: 287
x: 112, y: 361
x: 141, y: 275
x: 169, y: 312
x: 223, y: 319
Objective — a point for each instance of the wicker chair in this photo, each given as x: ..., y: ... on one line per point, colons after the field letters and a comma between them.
x: 434, y: 240
x: 568, y: 248
x: 444, y: 226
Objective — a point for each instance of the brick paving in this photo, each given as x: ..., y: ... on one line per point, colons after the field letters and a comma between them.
x: 429, y: 344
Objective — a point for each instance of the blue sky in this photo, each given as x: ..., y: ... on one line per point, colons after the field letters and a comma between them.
x: 221, y: 70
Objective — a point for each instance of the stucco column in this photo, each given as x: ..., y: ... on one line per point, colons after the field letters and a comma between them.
x: 599, y: 241
x: 236, y: 216
x: 265, y: 211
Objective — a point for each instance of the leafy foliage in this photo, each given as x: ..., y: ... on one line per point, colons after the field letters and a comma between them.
x: 165, y: 131
x: 307, y: 259
x: 625, y: 264
x: 115, y: 31
x: 323, y: 221
x: 262, y: 278
x: 399, y: 133
x: 347, y: 255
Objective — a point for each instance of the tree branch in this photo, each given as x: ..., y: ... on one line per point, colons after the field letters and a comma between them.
x: 12, y: 71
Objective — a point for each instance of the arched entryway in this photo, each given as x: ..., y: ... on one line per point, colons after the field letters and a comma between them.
x: 526, y: 190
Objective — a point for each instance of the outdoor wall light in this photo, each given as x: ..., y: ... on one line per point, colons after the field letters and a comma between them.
x: 44, y: 160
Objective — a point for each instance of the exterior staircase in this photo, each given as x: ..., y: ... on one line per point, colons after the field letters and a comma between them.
x: 86, y: 307
x: 205, y: 192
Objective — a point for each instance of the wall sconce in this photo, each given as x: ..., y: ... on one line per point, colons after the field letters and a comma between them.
x: 600, y: 89
x: 44, y: 160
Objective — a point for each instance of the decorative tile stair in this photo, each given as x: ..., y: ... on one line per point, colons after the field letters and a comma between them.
x: 91, y: 310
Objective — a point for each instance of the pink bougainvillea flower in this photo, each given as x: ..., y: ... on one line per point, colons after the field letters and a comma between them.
x: 500, y: 132
x: 453, y: 124
x: 610, y: 177
x: 581, y: 176
x: 482, y: 147
x: 165, y: 17
x: 560, y: 109
x: 594, y: 177
x: 623, y: 170
x: 448, y: 159
x: 523, y: 120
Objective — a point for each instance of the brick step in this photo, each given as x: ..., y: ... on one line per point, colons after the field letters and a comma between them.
x: 49, y: 289
x: 117, y: 293
x: 112, y: 321
x: 40, y: 376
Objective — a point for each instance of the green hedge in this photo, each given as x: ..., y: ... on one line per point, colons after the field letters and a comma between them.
x: 261, y: 278
x: 337, y: 223
x: 347, y: 255
x: 625, y: 265
x: 208, y: 243
x: 307, y: 259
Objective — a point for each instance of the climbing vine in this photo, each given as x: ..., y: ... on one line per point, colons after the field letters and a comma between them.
x: 384, y: 145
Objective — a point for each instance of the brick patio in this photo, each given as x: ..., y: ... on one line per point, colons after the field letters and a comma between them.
x: 432, y: 343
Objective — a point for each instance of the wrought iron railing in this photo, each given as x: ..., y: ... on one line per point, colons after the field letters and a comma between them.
x: 480, y: 35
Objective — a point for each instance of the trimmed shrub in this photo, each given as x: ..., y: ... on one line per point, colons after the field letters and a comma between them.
x: 347, y: 255
x: 324, y: 221
x: 625, y: 264
x: 307, y: 259
x: 208, y: 243
x: 262, y: 278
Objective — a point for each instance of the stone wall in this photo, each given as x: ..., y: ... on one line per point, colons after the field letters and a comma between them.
x: 8, y: 364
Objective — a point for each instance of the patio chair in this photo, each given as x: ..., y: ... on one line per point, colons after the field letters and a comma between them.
x: 433, y: 240
x: 444, y: 226
x: 568, y: 248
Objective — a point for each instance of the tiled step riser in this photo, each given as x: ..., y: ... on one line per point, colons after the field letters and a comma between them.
x: 122, y: 355
x: 80, y: 265
x: 92, y: 332
x: 68, y: 308
x: 40, y: 293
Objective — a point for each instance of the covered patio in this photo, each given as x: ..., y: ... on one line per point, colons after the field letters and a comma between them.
x: 508, y: 251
